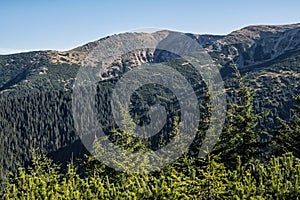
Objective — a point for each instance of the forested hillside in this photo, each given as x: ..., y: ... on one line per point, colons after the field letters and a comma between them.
x: 256, y: 156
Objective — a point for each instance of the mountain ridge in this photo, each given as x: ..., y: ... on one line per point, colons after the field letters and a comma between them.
x: 209, y: 41
x: 247, y: 47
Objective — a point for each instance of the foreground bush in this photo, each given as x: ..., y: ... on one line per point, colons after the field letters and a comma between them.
x: 188, y: 178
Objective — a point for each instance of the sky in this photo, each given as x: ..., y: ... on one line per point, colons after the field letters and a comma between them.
x: 66, y: 24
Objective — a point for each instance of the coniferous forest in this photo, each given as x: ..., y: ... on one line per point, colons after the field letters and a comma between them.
x: 249, y: 161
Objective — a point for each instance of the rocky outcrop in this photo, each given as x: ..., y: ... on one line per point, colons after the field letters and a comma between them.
x: 257, y: 44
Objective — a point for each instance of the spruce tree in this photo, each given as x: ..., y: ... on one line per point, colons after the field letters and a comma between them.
x: 287, y: 136
x: 240, y: 135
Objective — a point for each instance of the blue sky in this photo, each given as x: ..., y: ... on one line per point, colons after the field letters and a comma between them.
x: 65, y: 24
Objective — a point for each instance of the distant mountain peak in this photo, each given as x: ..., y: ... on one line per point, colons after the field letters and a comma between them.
x: 254, y: 30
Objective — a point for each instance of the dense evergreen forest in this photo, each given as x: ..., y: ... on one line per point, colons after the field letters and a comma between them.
x: 233, y: 170
x: 250, y: 161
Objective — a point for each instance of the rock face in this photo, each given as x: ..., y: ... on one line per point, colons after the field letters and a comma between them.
x: 258, y: 44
